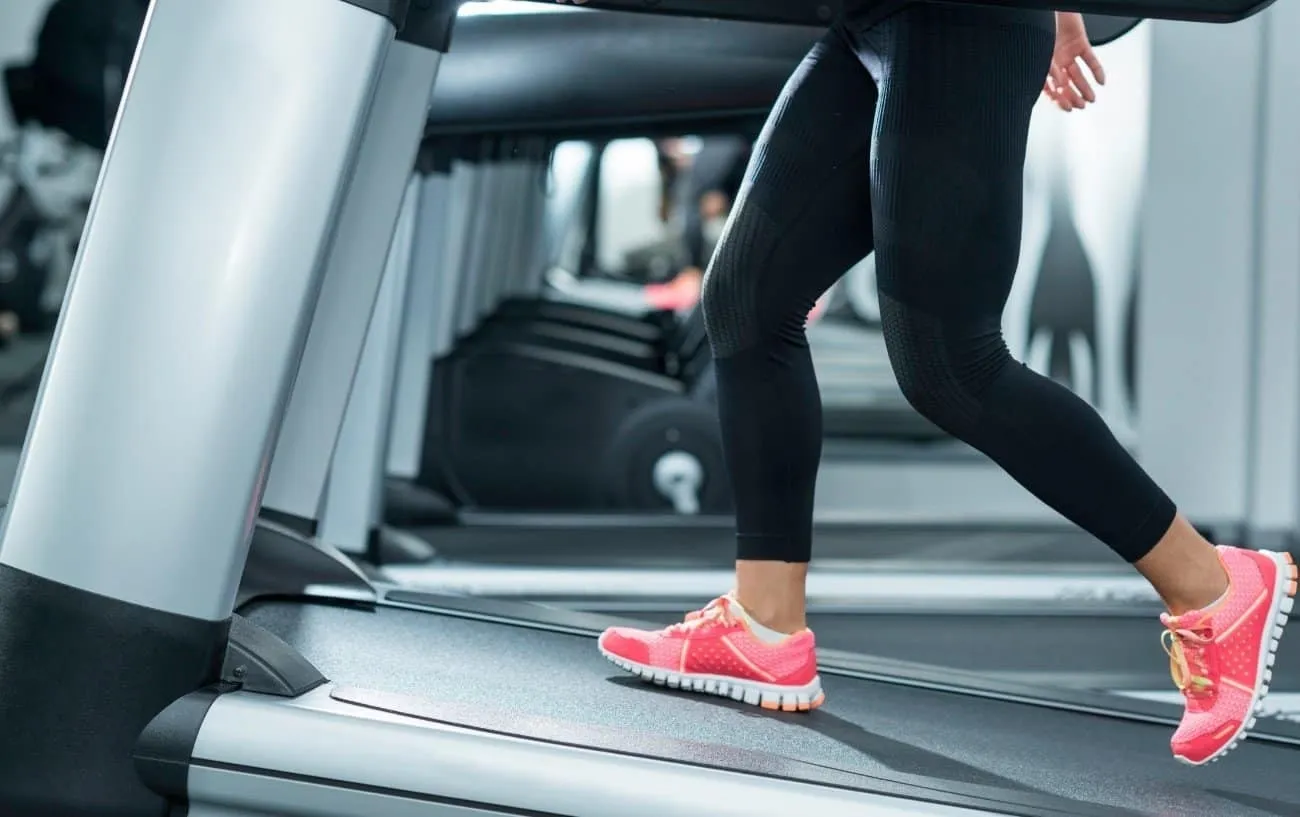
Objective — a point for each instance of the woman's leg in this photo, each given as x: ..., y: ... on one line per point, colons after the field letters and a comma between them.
x: 801, y: 220
x: 958, y: 86
x: 957, y: 89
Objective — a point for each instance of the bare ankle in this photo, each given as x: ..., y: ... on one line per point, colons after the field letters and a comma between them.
x: 781, y: 621
x: 1197, y: 595
x: 782, y: 614
x: 773, y: 593
x: 1185, y: 569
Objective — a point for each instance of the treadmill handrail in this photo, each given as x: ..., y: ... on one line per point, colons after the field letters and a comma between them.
x: 801, y: 12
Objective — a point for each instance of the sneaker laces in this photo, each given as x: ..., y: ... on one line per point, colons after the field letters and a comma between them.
x: 1188, y: 659
x: 718, y: 610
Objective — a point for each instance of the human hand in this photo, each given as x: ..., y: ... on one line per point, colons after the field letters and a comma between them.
x: 714, y: 204
x: 1066, y: 84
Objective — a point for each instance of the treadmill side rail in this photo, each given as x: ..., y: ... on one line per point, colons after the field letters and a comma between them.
x: 259, y: 753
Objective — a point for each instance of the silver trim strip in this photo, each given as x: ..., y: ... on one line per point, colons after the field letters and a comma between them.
x: 824, y: 587
x: 320, y: 738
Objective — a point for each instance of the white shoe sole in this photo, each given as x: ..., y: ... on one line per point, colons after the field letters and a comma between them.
x: 769, y: 696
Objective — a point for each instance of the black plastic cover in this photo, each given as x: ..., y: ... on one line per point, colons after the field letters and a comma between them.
x: 82, y: 676
x: 796, y: 12
x: 1103, y: 29
x: 166, y: 746
x: 258, y: 661
x: 429, y: 23
x: 538, y: 72
x: 394, y: 10
x: 806, y: 12
x: 283, y: 561
x: 587, y: 73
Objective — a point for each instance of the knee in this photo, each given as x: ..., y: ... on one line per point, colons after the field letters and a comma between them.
x: 730, y: 295
x: 720, y: 304
x: 943, y: 370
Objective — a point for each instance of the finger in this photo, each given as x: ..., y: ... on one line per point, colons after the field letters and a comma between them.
x: 1054, y: 95
x: 1071, y: 93
x: 1081, y: 82
x: 1094, y: 65
x: 1053, y: 92
x: 1067, y: 92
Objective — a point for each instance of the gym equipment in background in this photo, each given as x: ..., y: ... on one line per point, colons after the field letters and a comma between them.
x: 543, y: 405
x: 77, y: 74
x: 51, y: 178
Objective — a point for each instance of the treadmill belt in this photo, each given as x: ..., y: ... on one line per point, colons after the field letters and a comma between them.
x: 682, y: 546
x: 865, y: 727
x: 1097, y: 652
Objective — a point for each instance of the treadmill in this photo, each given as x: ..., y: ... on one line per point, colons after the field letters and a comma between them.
x: 129, y: 688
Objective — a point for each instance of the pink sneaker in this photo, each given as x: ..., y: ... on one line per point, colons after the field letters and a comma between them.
x: 713, y: 651
x: 1220, y: 657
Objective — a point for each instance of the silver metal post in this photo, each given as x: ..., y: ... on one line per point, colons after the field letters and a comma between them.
x: 456, y: 294
x: 190, y: 301
x: 355, y: 491
x: 352, y: 281
x: 420, y: 318
x: 471, y: 254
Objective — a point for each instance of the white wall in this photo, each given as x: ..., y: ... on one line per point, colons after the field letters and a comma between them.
x: 1200, y: 273
x: 18, y: 22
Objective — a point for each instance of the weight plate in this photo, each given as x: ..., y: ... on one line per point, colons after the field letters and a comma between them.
x: 626, y: 480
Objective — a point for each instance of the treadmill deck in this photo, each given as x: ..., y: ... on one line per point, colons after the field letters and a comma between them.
x: 865, y: 727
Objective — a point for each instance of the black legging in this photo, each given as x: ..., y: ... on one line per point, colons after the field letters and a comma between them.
x: 908, y: 138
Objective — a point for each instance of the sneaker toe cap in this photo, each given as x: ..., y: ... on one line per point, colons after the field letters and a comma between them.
x: 1198, y: 738
x: 626, y: 643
